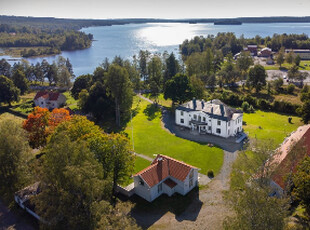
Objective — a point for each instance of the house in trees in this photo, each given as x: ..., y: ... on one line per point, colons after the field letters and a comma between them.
x: 49, y: 100
x: 212, y: 117
x: 304, y: 54
x: 24, y: 198
x: 265, y: 52
x: 165, y: 175
x: 288, y: 155
x: 252, y: 49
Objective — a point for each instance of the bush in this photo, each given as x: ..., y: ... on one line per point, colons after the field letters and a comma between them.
x: 251, y: 109
x: 264, y: 104
x: 291, y: 88
x: 245, y: 106
x: 284, y: 107
x: 251, y: 100
x: 210, y: 173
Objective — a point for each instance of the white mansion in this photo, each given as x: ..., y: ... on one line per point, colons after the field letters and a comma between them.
x: 212, y: 117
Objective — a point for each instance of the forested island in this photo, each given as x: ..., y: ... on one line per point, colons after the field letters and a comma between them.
x: 34, y: 36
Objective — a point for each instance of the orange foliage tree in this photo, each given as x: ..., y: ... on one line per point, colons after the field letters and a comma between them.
x: 41, y: 123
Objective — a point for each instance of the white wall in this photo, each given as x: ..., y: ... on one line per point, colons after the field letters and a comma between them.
x: 142, y: 190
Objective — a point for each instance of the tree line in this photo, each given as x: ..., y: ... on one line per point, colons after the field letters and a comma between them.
x: 50, y: 42
x: 77, y: 166
x: 15, y: 80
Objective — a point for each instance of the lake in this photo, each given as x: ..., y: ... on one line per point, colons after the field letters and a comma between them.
x: 128, y: 40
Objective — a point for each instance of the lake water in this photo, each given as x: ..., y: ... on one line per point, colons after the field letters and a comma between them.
x: 128, y: 40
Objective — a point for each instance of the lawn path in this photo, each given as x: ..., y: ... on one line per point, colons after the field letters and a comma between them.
x: 144, y: 157
x: 145, y: 98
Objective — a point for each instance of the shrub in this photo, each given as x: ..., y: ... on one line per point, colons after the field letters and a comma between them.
x: 264, y: 104
x: 245, y: 106
x: 251, y: 109
x: 291, y: 88
x: 210, y: 173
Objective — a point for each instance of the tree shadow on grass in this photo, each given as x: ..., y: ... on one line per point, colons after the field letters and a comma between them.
x: 151, y: 110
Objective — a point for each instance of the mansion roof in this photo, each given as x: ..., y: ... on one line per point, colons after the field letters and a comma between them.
x: 214, y: 108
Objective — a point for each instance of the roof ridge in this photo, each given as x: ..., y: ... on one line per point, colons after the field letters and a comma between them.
x: 181, y: 162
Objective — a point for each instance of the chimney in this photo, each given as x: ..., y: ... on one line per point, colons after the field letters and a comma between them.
x: 222, y: 109
x: 194, y: 103
x: 202, y: 104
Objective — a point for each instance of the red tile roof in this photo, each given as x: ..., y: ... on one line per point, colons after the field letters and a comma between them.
x: 163, y: 167
x: 290, y: 161
x: 170, y: 183
x: 52, y: 96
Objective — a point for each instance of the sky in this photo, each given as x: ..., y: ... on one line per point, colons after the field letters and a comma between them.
x: 101, y: 9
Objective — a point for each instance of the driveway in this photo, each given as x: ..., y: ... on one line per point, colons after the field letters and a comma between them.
x: 207, y: 211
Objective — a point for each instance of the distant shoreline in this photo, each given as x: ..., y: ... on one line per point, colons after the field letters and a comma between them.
x: 82, y: 23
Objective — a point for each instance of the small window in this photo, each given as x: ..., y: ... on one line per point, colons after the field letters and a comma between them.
x: 228, y: 132
x: 209, y: 127
x: 191, y: 182
x: 141, y: 182
x: 228, y: 123
x: 182, y: 121
x: 195, y: 117
x: 218, y: 131
x: 204, y: 119
x: 160, y: 187
x: 218, y: 122
x: 42, y: 103
x: 182, y: 113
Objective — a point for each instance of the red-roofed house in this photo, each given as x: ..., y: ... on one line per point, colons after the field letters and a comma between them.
x: 49, y: 100
x: 165, y: 175
x: 287, y: 160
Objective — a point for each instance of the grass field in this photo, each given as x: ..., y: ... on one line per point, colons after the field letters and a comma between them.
x: 150, y: 138
x: 304, y: 65
x: 71, y: 102
x: 272, y: 125
x: 141, y: 163
x: 161, y: 100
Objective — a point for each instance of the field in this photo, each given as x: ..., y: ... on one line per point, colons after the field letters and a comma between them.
x: 304, y: 65
x: 268, y: 125
x: 150, y: 138
x: 161, y: 100
x: 71, y: 102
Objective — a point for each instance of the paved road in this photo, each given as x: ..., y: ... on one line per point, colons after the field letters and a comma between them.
x: 9, y: 220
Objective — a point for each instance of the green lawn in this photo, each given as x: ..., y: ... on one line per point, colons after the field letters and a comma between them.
x: 304, y: 65
x: 71, y: 102
x: 141, y: 163
x: 273, y: 126
x: 150, y: 138
x: 161, y: 100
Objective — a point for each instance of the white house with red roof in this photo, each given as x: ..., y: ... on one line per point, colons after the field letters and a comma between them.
x: 286, y: 159
x: 165, y: 175
x: 49, y: 100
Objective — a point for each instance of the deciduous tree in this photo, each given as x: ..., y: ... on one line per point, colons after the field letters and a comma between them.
x: 8, y: 91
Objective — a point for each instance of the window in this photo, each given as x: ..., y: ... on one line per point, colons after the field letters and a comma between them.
x: 141, y: 182
x: 191, y: 182
x: 42, y: 103
x: 204, y: 119
x: 218, y: 131
x: 195, y: 117
x: 228, y: 132
x: 209, y: 127
x: 218, y: 122
x: 182, y: 121
x: 228, y: 123
x: 160, y: 187
x: 182, y: 113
